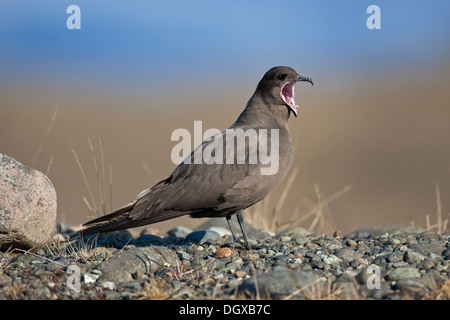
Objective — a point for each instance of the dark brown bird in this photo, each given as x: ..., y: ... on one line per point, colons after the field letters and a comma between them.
x: 230, y: 184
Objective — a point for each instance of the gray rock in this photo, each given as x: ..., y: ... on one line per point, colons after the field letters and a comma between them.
x: 109, y: 285
x: 280, y: 284
x: 426, y: 247
x: 395, y: 256
x: 413, y: 257
x: 427, y: 264
x: 202, y: 236
x: 331, y: 259
x: 27, y: 205
x: 403, y: 273
x: 235, y: 263
x: 446, y: 254
x: 348, y: 254
x: 429, y: 235
x: 90, y: 278
x: 125, y: 263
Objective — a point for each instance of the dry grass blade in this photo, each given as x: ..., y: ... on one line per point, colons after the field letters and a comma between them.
x: 317, y: 210
x: 296, y: 292
x: 47, y: 134
x: 98, y: 206
x: 83, y: 174
x: 49, y: 166
x: 439, y: 207
x: 441, y: 225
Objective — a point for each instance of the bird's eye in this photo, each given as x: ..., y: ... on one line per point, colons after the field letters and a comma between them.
x: 281, y: 77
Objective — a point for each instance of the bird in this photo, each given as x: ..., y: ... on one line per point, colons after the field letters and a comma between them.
x: 221, y: 188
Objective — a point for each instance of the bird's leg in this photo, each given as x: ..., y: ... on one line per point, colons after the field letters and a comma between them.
x: 240, y: 218
x: 231, y: 226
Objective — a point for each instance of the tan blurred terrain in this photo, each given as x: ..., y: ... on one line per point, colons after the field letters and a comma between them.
x: 388, y: 139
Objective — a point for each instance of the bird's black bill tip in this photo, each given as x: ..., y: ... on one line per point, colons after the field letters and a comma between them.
x: 300, y: 78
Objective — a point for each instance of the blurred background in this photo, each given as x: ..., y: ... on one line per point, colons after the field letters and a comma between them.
x: 372, y: 140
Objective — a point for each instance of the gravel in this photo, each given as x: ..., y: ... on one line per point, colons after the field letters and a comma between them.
x: 392, y: 263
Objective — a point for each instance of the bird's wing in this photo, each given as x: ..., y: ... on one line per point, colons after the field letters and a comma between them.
x: 195, y: 187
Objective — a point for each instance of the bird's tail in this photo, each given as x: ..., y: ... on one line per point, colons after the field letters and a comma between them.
x: 145, y: 209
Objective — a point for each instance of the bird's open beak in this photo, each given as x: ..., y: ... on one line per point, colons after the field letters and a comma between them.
x: 287, y: 93
x: 300, y: 78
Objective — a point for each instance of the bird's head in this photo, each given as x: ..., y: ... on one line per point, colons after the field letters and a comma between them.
x: 278, y: 83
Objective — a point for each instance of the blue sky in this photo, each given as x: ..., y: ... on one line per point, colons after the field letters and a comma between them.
x: 134, y: 43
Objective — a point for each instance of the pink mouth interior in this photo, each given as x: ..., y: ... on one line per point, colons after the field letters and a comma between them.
x: 287, y: 94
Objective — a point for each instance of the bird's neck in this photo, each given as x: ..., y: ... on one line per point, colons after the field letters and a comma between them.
x: 259, y: 109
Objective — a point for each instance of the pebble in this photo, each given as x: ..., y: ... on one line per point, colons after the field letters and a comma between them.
x: 223, y: 253
x: 240, y: 274
x: 402, y: 273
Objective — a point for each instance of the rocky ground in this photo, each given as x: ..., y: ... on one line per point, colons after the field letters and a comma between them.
x: 389, y: 262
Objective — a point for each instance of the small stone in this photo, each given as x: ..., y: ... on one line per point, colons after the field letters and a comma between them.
x: 109, y: 285
x: 363, y: 261
x: 427, y: 264
x: 240, y: 274
x: 334, y: 246
x: 186, y: 256
x: 348, y: 254
x: 235, y: 263
x: 350, y: 242
x: 446, y: 253
x: 211, y: 248
x: 395, y: 256
x: 402, y: 273
x: 285, y: 238
x: 426, y: 247
x: 412, y: 256
x: 271, y: 253
x: 394, y: 241
x: 90, y: 278
x: 58, y: 237
x: 331, y: 259
x: 223, y: 253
